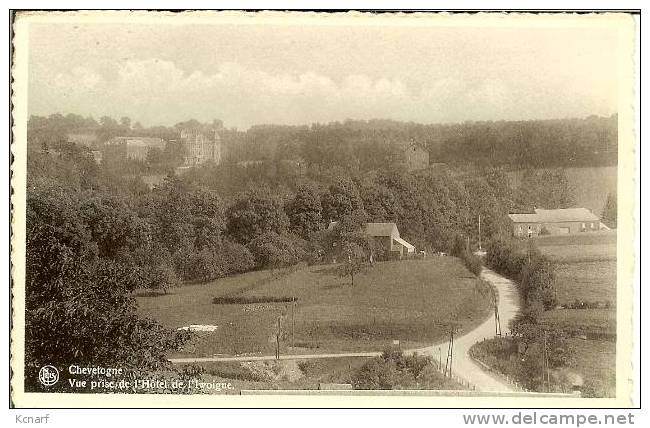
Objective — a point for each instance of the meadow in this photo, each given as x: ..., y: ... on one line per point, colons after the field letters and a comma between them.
x: 585, y: 266
x: 586, y: 273
x: 413, y: 301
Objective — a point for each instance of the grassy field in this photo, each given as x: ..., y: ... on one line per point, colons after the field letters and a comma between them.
x: 413, y: 301
x: 595, y: 361
x: 586, y: 271
x: 589, y: 322
x: 585, y: 265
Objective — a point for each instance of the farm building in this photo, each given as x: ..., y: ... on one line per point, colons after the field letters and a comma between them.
x: 554, y: 222
x: 387, y: 235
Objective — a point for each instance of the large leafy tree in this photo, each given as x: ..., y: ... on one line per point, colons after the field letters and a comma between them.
x: 341, y: 199
x: 379, y: 202
x: 255, y: 212
x: 113, y: 225
x: 78, y: 305
x: 305, y: 211
x: 207, y: 217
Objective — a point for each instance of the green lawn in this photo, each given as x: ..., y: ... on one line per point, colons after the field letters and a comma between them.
x: 595, y: 361
x: 412, y: 301
x: 580, y: 247
x: 593, y: 281
x: 586, y: 271
x: 585, y: 265
x: 590, y: 322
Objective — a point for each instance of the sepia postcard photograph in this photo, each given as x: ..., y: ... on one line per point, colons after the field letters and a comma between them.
x: 310, y: 209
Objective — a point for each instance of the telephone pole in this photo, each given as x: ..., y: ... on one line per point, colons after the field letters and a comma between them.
x: 450, y: 353
x: 546, y: 375
x: 293, y: 323
x: 497, y: 318
x: 479, y: 233
x: 277, y: 340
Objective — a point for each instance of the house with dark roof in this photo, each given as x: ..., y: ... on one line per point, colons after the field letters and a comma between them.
x: 554, y: 222
x: 387, y: 235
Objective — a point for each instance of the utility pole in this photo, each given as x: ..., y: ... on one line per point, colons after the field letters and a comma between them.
x: 479, y: 233
x: 277, y: 340
x: 293, y: 323
x: 497, y: 318
x: 546, y: 374
x: 451, y: 356
x: 450, y: 353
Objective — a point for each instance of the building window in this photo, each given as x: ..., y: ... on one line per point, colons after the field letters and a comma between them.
x: 583, y: 227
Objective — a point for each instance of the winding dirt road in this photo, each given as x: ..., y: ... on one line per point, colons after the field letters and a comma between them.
x: 463, y: 366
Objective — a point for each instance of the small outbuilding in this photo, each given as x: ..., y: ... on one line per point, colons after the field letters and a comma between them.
x: 387, y: 235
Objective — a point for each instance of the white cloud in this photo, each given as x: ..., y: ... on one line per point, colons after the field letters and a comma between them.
x: 159, y: 92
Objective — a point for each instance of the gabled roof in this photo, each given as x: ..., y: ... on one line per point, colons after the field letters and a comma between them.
x: 404, y: 243
x: 568, y: 214
x: 524, y: 218
x: 381, y: 229
x: 373, y: 229
x: 555, y: 216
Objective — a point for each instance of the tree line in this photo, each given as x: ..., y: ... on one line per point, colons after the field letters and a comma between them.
x: 367, y: 145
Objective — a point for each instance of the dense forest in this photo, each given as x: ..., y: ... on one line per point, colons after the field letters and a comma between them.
x: 367, y: 145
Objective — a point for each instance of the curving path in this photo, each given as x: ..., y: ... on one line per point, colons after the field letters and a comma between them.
x: 463, y: 366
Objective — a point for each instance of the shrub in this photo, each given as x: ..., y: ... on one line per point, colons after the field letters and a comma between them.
x: 274, y: 251
x: 473, y: 263
x: 393, y: 370
x: 533, y: 272
x: 537, y: 281
x: 162, y: 277
x: 377, y: 373
x: 235, y: 258
x: 204, y: 266
x: 461, y: 250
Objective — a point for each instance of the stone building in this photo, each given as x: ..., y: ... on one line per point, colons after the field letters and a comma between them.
x: 417, y: 158
x: 200, y: 148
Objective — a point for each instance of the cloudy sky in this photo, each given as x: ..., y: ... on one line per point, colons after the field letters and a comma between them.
x: 255, y: 73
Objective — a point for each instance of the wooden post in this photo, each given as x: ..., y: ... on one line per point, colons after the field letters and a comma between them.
x: 277, y: 341
x: 479, y: 232
x: 293, y: 323
x: 451, y: 360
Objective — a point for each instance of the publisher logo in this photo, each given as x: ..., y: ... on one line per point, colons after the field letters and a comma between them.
x: 48, y: 375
